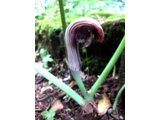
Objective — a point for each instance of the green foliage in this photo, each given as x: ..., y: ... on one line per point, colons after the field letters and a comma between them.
x: 48, y: 115
x: 45, y: 58
x: 78, y: 7
x: 48, y: 15
x: 115, y: 17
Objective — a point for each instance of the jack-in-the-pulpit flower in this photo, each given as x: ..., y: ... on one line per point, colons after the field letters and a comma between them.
x: 81, y: 30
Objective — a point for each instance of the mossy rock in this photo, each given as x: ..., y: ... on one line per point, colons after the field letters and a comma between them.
x: 47, y: 34
x: 98, y: 54
x: 48, y: 38
x: 101, y: 13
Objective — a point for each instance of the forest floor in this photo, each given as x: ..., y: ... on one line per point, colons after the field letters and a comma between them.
x: 46, y: 94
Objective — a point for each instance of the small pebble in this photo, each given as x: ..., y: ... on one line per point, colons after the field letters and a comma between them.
x: 110, y: 111
x: 121, y: 118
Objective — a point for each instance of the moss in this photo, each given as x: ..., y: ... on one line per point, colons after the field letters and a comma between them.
x: 101, y: 14
x: 115, y: 18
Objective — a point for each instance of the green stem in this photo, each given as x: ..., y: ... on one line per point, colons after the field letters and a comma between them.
x: 114, y: 71
x: 62, y: 15
x: 77, y: 77
x: 64, y: 26
x: 117, y: 97
x: 108, y: 68
x: 60, y: 84
x: 87, y: 61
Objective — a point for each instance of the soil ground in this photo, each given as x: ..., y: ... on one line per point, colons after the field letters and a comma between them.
x: 46, y: 94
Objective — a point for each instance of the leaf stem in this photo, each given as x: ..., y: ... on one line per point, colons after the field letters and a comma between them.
x: 108, y: 67
x: 117, y: 97
x: 114, y: 71
x: 62, y: 15
x: 77, y: 77
x: 60, y: 84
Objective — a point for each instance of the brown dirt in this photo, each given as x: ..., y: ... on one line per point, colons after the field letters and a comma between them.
x: 44, y: 99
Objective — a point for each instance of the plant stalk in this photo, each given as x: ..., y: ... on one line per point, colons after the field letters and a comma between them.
x: 114, y: 71
x: 117, y: 97
x: 77, y: 77
x: 108, y: 68
x: 60, y: 84
x: 62, y: 16
x: 64, y: 26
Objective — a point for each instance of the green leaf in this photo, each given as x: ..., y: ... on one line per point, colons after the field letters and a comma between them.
x: 44, y: 114
x: 50, y: 60
x: 84, y: 50
x: 48, y: 115
x: 50, y: 118
x: 52, y: 112
x: 43, y: 53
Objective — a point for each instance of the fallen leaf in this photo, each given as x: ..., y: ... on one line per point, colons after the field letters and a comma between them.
x: 103, y: 104
x: 71, y: 84
x: 57, y: 105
